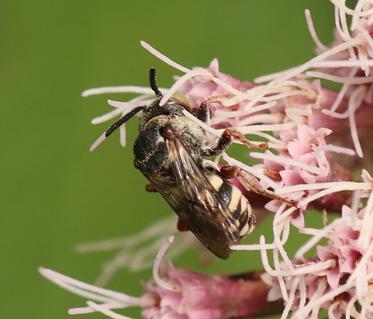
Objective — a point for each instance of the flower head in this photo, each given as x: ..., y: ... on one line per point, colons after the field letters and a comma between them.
x: 210, y: 297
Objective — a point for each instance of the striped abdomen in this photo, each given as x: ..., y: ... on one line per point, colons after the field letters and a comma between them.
x: 239, y: 206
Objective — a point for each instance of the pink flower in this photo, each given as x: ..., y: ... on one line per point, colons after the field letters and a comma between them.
x: 303, y: 161
x: 366, y: 24
x: 206, y: 297
x: 343, y: 247
x: 197, y: 89
x: 332, y: 268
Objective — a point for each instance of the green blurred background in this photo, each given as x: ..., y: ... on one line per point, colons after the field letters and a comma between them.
x: 55, y: 193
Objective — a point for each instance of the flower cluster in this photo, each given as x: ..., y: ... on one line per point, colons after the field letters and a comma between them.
x: 337, y: 277
x: 317, y: 157
x: 210, y: 297
x: 183, y: 295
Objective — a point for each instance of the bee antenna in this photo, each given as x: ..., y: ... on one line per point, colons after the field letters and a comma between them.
x: 115, y: 126
x: 123, y: 120
x: 153, y: 82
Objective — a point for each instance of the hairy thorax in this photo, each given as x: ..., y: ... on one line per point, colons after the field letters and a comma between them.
x: 150, y: 151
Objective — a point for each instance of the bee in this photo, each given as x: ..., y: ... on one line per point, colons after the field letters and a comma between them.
x: 171, y: 151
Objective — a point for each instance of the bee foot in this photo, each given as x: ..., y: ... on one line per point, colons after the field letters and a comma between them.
x: 181, y: 226
x: 151, y: 188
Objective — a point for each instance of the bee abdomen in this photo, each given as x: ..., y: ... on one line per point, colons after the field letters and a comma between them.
x: 242, y: 216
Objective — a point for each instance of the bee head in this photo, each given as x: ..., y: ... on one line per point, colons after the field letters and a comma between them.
x: 148, y: 111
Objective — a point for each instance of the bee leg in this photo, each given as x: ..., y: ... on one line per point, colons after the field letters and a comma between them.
x: 181, y: 226
x: 252, y: 184
x: 203, y: 112
x: 226, y: 139
x: 151, y: 188
x: 235, y: 135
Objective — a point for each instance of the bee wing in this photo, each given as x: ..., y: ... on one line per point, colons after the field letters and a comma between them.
x: 167, y: 190
x: 200, y: 207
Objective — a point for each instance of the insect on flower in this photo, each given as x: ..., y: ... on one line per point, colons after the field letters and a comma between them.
x: 171, y: 151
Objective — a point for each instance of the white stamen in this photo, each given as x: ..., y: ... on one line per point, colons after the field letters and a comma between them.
x: 186, y: 77
x: 86, y: 290
x: 368, y: 38
x: 107, y: 116
x: 318, y: 62
x: 287, y: 161
x: 272, y: 76
x: 106, y: 311
x: 341, y: 24
x: 355, y: 101
x: 315, y: 239
x: 332, y: 294
x: 348, y: 186
x: 336, y: 149
x: 163, y: 58
x: 319, y: 292
x: 311, y: 29
x: 253, y: 247
x: 121, y: 108
x: 354, y: 209
x: 122, y: 134
x: 260, y: 128
x: 331, y: 310
x: 356, y: 15
x: 366, y: 229
x: 227, y: 86
x: 343, y: 91
x: 350, y: 307
x: 84, y: 310
x: 340, y: 79
x: 280, y: 278
x: 336, y: 64
x: 97, y: 143
x: 349, y: 11
x: 300, y: 270
x: 321, y: 194
x: 277, y: 229
x: 303, y: 293
x: 290, y: 301
x: 119, y: 89
x: 124, y: 105
x: 243, y: 111
x: 268, y: 268
x: 157, y: 263
x: 263, y: 118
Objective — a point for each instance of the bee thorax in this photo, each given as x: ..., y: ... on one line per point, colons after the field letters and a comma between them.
x: 150, y: 152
